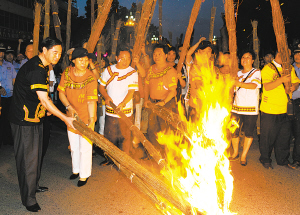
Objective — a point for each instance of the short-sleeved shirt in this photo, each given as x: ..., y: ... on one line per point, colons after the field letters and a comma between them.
x: 274, y: 101
x: 8, y: 73
x: 246, y: 100
x: 79, y: 90
x: 26, y: 109
x: 118, y: 82
x: 160, y: 83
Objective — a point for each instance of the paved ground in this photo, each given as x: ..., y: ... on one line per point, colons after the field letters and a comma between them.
x: 256, y: 190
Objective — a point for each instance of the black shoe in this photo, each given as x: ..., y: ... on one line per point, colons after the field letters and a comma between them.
x: 244, y: 163
x: 234, y: 159
x: 41, y: 189
x: 267, y: 165
x: 295, y: 165
x: 74, y: 176
x: 81, y: 183
x: 34, y: 208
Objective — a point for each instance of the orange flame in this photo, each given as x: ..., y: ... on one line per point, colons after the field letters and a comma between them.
x: 196, y: 159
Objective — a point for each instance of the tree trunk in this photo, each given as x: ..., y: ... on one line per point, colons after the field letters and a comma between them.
x: 56, y: 20
x: 188, y: 34
x: 231, y: 28
x: 160, y: 19
x: 98, y: 26
x: 279, y: 29
x: 68, y: 34
x: 36, y: 29
x: 47, y: 19
x: 255, y: 44
x: 212, y: 23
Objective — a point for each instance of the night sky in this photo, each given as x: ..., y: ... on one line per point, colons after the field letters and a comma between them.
x: 176, y: 14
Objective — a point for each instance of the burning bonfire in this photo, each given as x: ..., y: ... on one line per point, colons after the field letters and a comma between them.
x: 196, y: 173
x: 196, y: 159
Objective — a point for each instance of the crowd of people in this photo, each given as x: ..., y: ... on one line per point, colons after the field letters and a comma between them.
x: 89, y: 90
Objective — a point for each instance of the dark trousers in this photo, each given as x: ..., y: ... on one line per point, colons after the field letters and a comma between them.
x: 5, y: 130
x: 275, y: 133
x: 296, y: 130
x: 46, y: 135
x: 117, y: 132
x: 157, y: 124
x: 28, y: 147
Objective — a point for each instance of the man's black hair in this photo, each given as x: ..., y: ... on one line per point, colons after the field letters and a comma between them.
x: 49, y: 42
x: 250, y: 51
x: 172, y: 48
x: 122, y: 48
x: 161, y: 46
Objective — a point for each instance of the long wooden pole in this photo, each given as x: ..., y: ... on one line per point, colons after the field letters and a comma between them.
x: 47, y: 19
x: 116, y: 38
x: 100, y: 44
x: 145, y: 18
x: 36, y: 28
x: 92, y: 13
x: 160, y: 19
x: 98, y: 26
x: 188, y: 34
x: 212, y: 23
x: 279, y: 29
x: 231, y: 28
x: 164, y: 189
x: 255, y: 44
x: 56, y: 19
x: 68, y: 34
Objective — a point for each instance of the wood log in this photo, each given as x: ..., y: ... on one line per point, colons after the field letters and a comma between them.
x: 154, y: 197
x: 47, y: 19
x: 145, y: 18
x: 164, y: 189
x: 146, y: 143
x: 279, y: 29
x: 92, y: 13
x: 137, y: 18
x: 188, y: 34
x: 100, y: 44
x: 56, y: 20
x: 68, y: 33
x: 149, y: 21
x: 170, y: 37
x: 169, y: 116
x: 116, y: 38
x: 212, y: 23
x: 255, y: 44
x: 36, y: 29
x: 231, y: 28
x: 98, y: 26
x: 160, y: 19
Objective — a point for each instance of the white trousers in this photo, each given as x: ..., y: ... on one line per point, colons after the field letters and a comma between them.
x: 81, y: 152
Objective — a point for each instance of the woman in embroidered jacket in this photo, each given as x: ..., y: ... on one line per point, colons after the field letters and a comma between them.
x: 245, y: 105
x: 78, y: 92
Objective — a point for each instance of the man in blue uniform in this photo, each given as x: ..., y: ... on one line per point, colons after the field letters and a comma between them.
x: 8, y: 75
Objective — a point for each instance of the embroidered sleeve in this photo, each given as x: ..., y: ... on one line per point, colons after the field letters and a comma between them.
x: 133, y: 84
x: 38, y: 80
x: 104, y: 77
